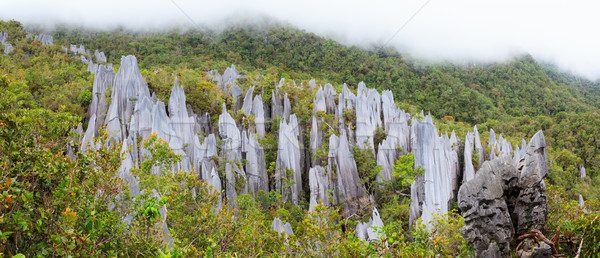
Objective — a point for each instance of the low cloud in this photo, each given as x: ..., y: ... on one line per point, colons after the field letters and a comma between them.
x: 559, y: 32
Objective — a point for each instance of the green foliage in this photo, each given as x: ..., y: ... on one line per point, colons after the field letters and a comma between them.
x: 367, y: 167
x: 404, y: 171
x: 576, y: 225
x: 441, y: 237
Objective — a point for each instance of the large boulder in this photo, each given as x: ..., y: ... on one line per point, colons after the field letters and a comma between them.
x: 486, y: 212
x: 505, y: 199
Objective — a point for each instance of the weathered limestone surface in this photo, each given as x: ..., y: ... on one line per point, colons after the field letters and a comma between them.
x: 434, y: 190
x: 255, y: 167
x: 100, y: 57
x: 288, y: 160
x: 368, y: 118
x: 7, y: 47
x: 259, y: 115
x: 370, y: 231
x: 341, y: 162
x: 45, y: 39
x: 486, y: 212
x: 531, y: 206
x: 232, y: 139
x: 280, y: 227
x: 320, y: 185
x: 397, y: 141
x: 505, y: 199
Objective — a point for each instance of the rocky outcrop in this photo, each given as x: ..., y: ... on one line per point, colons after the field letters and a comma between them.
x: 505, y: 199
x: 321, y: 187
x: 368, y: 115
x: 280, y: 227
x: 255, y: 166
x: 432, y: 191
x: 129, y: 87
x: 343, y: 167
x: 7, y: 47
x: 531, y: 205
x: 288, y: 176
x: 397, y: 141
x: 474, y: 154
x: 372, y: 230
x: 486, y: 212
x: 100, y: 57
x: 232, y: 139
x: 45, y: 39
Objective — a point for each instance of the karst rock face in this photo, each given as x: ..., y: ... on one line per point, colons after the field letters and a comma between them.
x: 505, y: 199
x: 8, y: 48
x: 531, y: 206
x: 500, y: 198
x: 371, y: 230
x: 288, y: 177
x: 320, y: 186
x: 432, y: 191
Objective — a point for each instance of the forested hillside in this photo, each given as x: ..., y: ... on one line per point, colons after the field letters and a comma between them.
x: 61, y: 197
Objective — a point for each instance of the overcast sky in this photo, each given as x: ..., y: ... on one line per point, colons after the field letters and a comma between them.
x: 562, y: 32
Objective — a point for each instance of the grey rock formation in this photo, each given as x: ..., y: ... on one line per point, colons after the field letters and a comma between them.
x: 486, y: 212
x: 534, y: 249
x: 372, y: 230
x: 582, y: 203
x: 100, y: 57
x: 531, y: 205
x: 288, y: 171
x: 505, y: 199
x: 81, y: 51
x: 287, y: 107
x: 474, y: 154
x: 259, y: 115
x: 233, y: 173
x: 45, y: 39
x: 255, y: 167
x: 92, y: 68
x: 215, y: 181
x: 435, y: 154
x: 342, y: 165
x: 90, y: 133
x: 469, y: 170
x: 280, y: 227
x: 7, y: 47
x: 247, y: 106
x: 276, y: 105
x: 166, y: 234
x: 312, y: 83
x: 232, y: 139
x: 397, y: 141
x: 73, y: 49
x: 368, y: 115
x: 320, y: 187
x: 498, y: 146
x: 129, y: 87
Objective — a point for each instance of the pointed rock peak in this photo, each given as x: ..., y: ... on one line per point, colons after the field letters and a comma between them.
x: 537, y: 141
x: 428, y: 119
x: 453, y: 138
x: 362, y: 89
x: 281, y: 82
x: 312, y: 83
x: 224, y: 109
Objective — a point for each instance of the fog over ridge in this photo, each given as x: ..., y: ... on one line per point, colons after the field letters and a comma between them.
x: 557, y: 32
